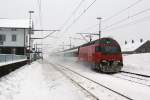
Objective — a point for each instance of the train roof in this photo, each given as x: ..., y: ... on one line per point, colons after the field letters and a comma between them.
x: 71, y: 49
x: 102, y: 40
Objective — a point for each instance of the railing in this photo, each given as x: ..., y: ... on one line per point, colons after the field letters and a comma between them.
x: 11, y: 57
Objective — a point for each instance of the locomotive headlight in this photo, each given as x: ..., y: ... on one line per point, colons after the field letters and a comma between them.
x: 104, y: 61
x: 116, y: 62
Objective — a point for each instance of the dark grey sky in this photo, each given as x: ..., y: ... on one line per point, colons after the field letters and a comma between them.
x: 56, y: 12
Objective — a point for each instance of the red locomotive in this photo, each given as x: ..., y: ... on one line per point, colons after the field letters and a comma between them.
x: 104, y: 54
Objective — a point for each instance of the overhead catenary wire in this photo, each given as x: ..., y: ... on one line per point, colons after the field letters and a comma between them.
x: 144, y: 19
x: 116, y: 14
x: 79, y: 16
x: 84, y: 38
x: 123, y: 10
x: 122, y: 20
x: 74, y: 12
x: 48, y: 35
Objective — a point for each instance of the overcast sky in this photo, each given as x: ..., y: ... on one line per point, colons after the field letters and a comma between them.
x: 54, y: 13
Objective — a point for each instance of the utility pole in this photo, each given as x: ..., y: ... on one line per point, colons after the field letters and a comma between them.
x: 99, y: 18
x: 30, y: 32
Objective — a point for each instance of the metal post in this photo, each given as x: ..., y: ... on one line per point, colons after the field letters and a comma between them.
x: 70, y: 41
x: 90, y: 37
x: 99, y: 18
x: 30, y: 29
x: 63, y: 46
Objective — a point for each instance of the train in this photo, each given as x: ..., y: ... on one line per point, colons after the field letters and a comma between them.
x: 103, y: 54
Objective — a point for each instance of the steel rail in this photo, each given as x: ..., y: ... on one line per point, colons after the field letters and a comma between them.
x: 148, y: 76
x: 98, y: 83
x: 55, y: 67
x: 132, y: 80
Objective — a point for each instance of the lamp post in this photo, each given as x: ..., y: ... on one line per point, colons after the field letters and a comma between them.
x: 99, y: 18
x: 30, y: 31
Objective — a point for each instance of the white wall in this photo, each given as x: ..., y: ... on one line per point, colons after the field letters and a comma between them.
x: 20, y: 37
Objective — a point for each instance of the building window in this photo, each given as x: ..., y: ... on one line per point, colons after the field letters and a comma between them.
x: 2, y: 37
x: 141, y: 40
x: 14, y: 37
x: 13, y: 29
x: 125, y: 42
x: 132, y: 41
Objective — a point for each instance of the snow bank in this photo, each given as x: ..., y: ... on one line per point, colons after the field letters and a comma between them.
x: 38, y: 81
x: 138, y: 63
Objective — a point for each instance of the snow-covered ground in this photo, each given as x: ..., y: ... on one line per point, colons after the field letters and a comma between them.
x: 41, y: 81
x: 137, y: 63
x: 38, y: 81
x: 134, y: 90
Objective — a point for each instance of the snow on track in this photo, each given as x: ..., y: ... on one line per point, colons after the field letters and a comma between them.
x: 97, y: 89
x: 130, y: 89
x: 133, y: 78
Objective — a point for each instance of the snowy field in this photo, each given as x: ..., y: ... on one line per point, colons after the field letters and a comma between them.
x: 138, y: 63
x: 41, y: 81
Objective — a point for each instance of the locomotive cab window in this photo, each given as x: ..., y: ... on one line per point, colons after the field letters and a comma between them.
x: 111, y: 49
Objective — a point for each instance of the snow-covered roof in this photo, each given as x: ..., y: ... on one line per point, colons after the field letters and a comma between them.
x: 131, y: 46
x: 14, y: 23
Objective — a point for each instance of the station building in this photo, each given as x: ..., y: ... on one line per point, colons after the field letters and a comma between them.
x: 14, y: 36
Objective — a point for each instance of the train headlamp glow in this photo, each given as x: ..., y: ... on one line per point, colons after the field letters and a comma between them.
x: 104, y: 61
x: 116, y: 62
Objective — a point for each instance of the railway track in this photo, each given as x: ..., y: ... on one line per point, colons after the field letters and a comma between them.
x: 134, y: 78
x: 142, y: 75
x: 89, y: 94
x: 94, y: 86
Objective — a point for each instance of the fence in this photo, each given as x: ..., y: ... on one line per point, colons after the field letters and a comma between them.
x: 11, y: 57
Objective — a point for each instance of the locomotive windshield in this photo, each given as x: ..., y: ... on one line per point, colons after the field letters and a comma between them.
x: 108, y: 49
x: 108, y: 46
